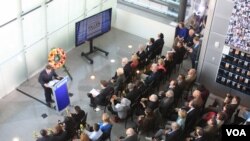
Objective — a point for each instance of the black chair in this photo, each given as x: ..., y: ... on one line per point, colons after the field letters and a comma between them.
x: 130, y: 113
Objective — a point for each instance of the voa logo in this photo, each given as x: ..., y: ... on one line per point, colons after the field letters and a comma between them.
x: 236, y: 132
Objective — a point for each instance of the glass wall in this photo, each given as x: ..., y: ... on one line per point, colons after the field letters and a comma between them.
x: 166, y: 7
x: 30, y: 28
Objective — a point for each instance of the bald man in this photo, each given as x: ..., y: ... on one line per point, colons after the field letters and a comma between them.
x: 130, y: 135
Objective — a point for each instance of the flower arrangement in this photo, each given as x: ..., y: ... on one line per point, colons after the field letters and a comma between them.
x: 57, y: 58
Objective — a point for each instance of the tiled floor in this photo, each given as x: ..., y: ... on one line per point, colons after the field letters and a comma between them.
x: 20, y: 115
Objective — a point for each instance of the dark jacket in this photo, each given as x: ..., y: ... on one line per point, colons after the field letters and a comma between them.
x: 173, y: 136
x: 131, y: 138
x: 45, y: 78
x: 101, y: 98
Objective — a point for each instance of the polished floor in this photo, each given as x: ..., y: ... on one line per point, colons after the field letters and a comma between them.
x: 20, y: 115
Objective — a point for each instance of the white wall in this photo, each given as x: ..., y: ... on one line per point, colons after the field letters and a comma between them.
x: 26, y: 41
x: 143, y: 27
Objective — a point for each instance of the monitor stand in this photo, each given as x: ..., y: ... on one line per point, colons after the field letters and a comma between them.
x: 93, y: 49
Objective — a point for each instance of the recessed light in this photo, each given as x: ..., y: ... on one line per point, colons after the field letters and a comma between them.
x: 112, y: 60
x: 130, y: 46
x: 92, y: 77
x: 137, y: 71
x: 15, y: 139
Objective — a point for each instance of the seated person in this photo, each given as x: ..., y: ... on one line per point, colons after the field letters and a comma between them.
x: 105, y: 124
x: 146, y: 122
x: 130, y: 135
x: 134, y: 91
x: 126, y: 68
x: 148, y: 79
x: 119, y: 81
x: 134, y: 61
x: 166, y: 103
x: 84, y: 137
x: 59, y: 134
x: 44, y: 136
x: 210, y: 130
x: 78, y: 116
x: 198, y: 135
x: 172, y: 134
x: 100, y: 99
x: 218, y: 104
x: 151, y: 102
x: 95, y: 134
x: 120, y: 108
x: 70, y: 127
x: 246, y: 115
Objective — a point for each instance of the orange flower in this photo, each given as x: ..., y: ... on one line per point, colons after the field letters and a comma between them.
x: 55, y: 53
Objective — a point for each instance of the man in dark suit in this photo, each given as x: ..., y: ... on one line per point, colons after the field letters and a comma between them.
x: 131, y: 135
x: 159, y: 43
x: 78, y: 116
x: 45, y: 77
x: 193, y: 114
x: 100, y: 99
x: 44, y: 136
x: 153, y: 76
x: 174, y: 133
x: 194, y: 52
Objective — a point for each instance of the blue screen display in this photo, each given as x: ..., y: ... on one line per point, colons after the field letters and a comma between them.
x: 93, y: 26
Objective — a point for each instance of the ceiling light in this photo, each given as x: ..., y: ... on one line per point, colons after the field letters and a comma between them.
x: 92, y: 77
x: 15, y: 139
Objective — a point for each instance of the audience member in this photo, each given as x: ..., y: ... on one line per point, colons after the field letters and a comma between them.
x: 84, y: 137
x: 130, y: 135
x: 44, y: 136
x: 100, y: 99
x: 59, y: 134
x: 105, y: 125
x: 181, y: 82
x: 150, y: 49
x: 121, y: 108
x: 142, y: 56
x: 119, y: 81
x: 134, y: 61
x: 181, y: 32
x: 145, y: 123
x: 149, y: 79
x: 166, y: 103
x: 159, y: 43
x: 194, y: 52
x: 190, y: 78
x: 95, y: 134
x: 78, y: 115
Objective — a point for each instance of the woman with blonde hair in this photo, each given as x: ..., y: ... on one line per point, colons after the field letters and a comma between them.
x: 105, y: 124
x: 161, y: 65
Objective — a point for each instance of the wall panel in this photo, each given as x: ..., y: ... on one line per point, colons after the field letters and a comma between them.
x: 36, y: 20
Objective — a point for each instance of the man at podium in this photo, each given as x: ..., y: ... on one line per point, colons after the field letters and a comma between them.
x: 47, y: 75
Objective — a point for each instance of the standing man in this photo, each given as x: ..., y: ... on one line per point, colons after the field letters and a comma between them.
x: 158, y: 44
x: 194, y: 52
x: 44, y: 78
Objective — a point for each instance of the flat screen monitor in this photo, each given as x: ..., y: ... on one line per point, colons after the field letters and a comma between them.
x: 93, y: 26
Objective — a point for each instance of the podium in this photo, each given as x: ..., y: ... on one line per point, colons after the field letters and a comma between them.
x: 60, y: 93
